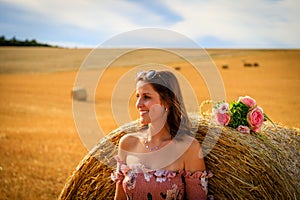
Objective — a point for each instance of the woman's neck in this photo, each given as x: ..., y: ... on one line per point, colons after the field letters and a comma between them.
x: 158, y: 134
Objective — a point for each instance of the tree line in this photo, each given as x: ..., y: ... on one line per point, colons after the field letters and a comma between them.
x: 15, y: 42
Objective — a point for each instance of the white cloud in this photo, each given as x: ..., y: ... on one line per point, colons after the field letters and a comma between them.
x: 243, y: 23
x: 111, y: 16
x: 91, y: 15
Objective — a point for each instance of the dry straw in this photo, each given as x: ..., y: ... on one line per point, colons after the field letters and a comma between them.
x: 245, y: 166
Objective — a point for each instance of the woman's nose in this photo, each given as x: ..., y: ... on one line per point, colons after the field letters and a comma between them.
x: 139, y: 103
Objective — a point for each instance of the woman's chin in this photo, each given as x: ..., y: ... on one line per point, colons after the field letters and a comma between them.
x: 144, y: 121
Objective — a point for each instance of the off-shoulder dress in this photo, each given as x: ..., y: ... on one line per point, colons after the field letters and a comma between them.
x: 141, y: 183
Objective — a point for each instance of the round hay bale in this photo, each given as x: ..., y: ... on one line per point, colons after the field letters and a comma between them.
x: 245, y: 166
x: 247, y: 64
x: 79, y: 93
x: 178, y: 68
x: 225, y: 66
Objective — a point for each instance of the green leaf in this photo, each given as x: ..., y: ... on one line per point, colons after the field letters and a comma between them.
x: 238, y: 113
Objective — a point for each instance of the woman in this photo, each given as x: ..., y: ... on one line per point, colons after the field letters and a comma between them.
x: 162, y: 160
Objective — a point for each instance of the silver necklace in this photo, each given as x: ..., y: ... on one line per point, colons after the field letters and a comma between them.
x: 147, y: 146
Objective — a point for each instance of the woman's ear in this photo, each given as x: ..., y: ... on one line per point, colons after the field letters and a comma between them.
x: 166, y: 107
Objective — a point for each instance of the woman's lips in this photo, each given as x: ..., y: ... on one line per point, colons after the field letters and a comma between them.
x: 143, y: 112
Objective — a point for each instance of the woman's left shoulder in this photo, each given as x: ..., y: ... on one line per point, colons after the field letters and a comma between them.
x: 193, y: 143
x: 193, y: 156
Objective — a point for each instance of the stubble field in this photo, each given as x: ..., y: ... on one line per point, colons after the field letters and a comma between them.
x: 39, y: 143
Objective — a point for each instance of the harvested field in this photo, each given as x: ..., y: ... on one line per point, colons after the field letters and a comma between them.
x: 39, y: 143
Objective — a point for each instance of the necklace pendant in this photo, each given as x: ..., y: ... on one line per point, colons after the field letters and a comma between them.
x: 147, y: 146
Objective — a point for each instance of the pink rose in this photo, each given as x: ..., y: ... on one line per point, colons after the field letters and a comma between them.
x: 223, y: 108
x: 223, y: 119
x: 255, y: 118
x: 243, y: 129
x: 248, y: 101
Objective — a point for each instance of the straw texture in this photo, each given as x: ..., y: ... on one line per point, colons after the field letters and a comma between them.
x: 245, y: 166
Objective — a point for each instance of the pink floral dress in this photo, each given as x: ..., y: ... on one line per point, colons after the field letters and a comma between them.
x: 141, y: 183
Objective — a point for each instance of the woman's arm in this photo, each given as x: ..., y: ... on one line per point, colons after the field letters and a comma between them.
x: 195, y: 177
x: 120, y: 194
x: 122, y: 149
x: 194, y: 160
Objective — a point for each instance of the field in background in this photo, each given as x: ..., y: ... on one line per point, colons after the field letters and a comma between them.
x: 39, y: 144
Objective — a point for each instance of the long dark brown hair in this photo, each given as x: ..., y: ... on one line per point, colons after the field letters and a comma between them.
x: 166, y: 85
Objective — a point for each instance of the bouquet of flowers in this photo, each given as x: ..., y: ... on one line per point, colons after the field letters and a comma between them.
x: 243, y: 115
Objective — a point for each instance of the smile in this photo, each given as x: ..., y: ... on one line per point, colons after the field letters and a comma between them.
x: 143, y: 112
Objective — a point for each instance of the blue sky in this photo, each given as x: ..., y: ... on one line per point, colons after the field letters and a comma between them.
x: 212, y: 24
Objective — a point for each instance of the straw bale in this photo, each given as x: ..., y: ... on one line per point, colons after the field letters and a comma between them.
x: 245, y: 166
x: 79, y: 93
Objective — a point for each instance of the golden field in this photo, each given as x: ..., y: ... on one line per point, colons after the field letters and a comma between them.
x: 39, y: 143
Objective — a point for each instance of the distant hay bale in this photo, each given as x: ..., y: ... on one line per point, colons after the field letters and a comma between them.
x: 79, y: 93
x: 177, y: 68
x: 245, y: 166
x: 225, y: 66
x: 247, y: 64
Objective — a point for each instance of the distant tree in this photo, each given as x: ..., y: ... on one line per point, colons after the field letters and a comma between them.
x: 3, y: 41
x: 15, y: 42
x: 34, y: 42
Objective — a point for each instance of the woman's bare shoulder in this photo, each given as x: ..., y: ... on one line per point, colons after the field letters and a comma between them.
x: 129, y: 140
x: 193, y: 145
x: 193, y: 156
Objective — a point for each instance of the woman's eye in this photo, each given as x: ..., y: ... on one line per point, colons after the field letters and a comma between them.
x: 143, y: 96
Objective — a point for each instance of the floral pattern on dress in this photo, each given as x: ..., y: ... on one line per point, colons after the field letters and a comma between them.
x: 174, y: 193
x: 160, y: 184
x: 130, y: 180
x: 203, y: 176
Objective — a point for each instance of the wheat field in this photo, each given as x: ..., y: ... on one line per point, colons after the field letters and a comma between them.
x: 39, y: 143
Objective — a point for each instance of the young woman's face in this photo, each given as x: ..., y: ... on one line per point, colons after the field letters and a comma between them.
x: 149, y: 104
